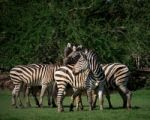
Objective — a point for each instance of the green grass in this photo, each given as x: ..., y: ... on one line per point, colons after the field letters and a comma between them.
x: 140, y: 110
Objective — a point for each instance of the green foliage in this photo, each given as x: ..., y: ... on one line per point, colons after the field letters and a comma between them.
x: 36, y: 31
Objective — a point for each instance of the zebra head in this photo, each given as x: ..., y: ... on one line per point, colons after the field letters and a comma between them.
x: 73, y: 55
x: 81, y: 64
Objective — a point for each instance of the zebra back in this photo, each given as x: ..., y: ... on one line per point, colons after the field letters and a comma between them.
x: 65, y: 75
x: 116, y: 74
x: 33, y: 74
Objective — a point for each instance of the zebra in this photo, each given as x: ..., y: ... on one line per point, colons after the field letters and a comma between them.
x: 117, y: 76
x: 68, y: 50
x: 97, y: 72
x: 65, y: 75
x: 117, y: 69
x: 32, y: 75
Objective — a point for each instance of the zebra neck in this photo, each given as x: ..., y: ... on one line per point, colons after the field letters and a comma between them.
x: 70, y: 66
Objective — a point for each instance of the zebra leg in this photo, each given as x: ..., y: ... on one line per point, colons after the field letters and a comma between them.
x: 90, y: 100
x: 18, y: 95
x: 72, y: 103
x: 20, y: 102
x: 34, y: 91
x: 77, y: 100
x: 124, y: 98
x: 108, y: 97
x: 128, y: 95
x: 27, y: 95
x: 101, y: 99
x: 75, y: 94
x: 60, y: 96
x: 44, y: 87
x: 54, y: 102
x: 54, y: 95
x: 94, y: 94
x: 79, y: 105
x: 49, y: 95
x: 14, y: 97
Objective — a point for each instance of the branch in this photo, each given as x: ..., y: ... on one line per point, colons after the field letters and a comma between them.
x: 81, y: 8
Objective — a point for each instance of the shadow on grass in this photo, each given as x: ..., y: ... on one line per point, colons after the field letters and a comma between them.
x: 84, y: 109
x: 117, y: 108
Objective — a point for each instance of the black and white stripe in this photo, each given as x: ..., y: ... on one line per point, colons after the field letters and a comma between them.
x: 94, y: 77
x: 64, y: 76
x: 32, y: 75
x: 117, y: 76
x: 89, y: 60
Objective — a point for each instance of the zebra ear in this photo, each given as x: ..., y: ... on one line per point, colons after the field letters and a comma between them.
x: 69, y: 45
x: 74, y: 48
x: 79, y: 47
x: 86, y: 51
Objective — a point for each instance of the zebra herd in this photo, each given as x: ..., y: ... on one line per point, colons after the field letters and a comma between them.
x: 81, y: 70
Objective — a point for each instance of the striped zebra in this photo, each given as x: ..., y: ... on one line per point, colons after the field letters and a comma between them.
x: 32, y: 75
x: 117, y: 76
x: 64, y: 76
x: 94, y: 77
x: 119, y: 73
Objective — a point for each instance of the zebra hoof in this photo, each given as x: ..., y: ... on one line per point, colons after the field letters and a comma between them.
x: 54, y: 105
x: 124, y: 106
x: 71, y: 107
x: 49, y: 104
x: 129, y: 108
x: 13, y: 104
x: 21, y: 106
x: 37, y: 103
x: 90, y: 109
x: 94, y: 106
x: 110, y: 107
x: 60, y: 110
x: 38, y: 106
x: 41, y: 106
x: 70, y: 110
x: 81, y: 108
x: 15, y: 107
x: 101, y: 108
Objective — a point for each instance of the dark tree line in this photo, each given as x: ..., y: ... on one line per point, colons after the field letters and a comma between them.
x: 36, y: 31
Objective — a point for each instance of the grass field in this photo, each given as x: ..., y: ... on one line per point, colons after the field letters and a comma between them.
x: 140, y: 110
